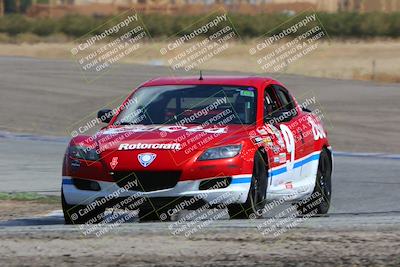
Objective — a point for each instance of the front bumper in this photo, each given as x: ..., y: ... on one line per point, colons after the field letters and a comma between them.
x: 235, y: 192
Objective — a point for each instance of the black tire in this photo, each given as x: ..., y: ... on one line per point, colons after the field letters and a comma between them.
x: 320, y: 199
x: 94, y: 216
x: 256, y: 198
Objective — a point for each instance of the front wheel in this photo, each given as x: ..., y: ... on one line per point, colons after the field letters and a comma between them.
x: 320, y: 199
x: 256, y: 198
x: 73, y: 214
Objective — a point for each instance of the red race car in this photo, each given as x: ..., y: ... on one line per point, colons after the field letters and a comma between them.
x: 186, y: 143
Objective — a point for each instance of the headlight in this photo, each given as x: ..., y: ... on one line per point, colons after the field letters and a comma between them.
x: 221, y: 152
x: 81, y: 152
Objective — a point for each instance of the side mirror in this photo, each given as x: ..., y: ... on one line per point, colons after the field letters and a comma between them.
x: 306, y: 110
x: 105, y: 115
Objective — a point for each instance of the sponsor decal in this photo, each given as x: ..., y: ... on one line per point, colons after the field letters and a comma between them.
x: 276, y: 149
x: 317, y: 129
x: 278, y: 135
x: 257, y: 140
x: 114, y: 162
x: 75, y: 164
x: 276, y: 159
x: 145, y: 159
x: 289, y: 185
x: 268, y: 141
x: 282, y: 157
x: 265, y: 130
x: 168, y: 146
x: 246, y: 93
x: 269, y: 130
x: 262, y: 130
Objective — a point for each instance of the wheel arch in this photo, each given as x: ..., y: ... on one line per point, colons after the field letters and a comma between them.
x: 264, y: 155
x: 328, y: 149
x: 266, y: 159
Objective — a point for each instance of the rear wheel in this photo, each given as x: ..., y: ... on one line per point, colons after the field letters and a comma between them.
x: 256, y: 198
x: 320, y: 199
x: 72, y: 213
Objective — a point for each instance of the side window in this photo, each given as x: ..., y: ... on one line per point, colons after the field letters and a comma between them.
x: 271, y: 102
x: 286, y: 101
x: 278, y: 104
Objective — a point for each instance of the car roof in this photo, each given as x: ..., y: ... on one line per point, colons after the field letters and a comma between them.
x: 255, y: 81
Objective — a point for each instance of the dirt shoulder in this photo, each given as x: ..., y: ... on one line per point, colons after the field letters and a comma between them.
x: 335, y: 240
x: 26, y: 204
x: 359, y: 60
x: 230, y: 247
x: 11, y: 209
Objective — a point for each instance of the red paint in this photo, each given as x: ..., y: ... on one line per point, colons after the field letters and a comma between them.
x: 185, y: 161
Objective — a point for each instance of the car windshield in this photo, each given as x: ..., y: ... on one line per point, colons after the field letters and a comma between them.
x: 190, y: 104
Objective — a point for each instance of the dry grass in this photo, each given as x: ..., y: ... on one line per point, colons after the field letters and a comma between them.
x: 336, y: 59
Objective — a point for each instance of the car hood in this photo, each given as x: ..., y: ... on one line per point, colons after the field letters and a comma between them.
x: 135, y: 147
x: 161, y: 137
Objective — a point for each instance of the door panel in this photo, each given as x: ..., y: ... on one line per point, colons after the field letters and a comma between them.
x: 285, y: 122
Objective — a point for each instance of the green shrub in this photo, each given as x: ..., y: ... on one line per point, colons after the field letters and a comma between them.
x: 14, y: 24
x: 76, y: 25
x: 44, y: 26
x: 159, y: 25
x: 342, y: 25
x: 394, y: 29
x: 374, y: 24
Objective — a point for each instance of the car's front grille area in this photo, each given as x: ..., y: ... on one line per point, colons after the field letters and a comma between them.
x: 146, y: 181
x: 215, y: 183
x: 83, y: 184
